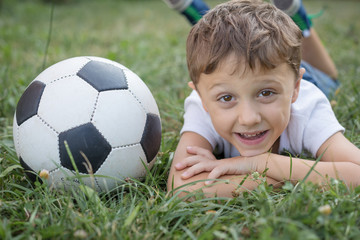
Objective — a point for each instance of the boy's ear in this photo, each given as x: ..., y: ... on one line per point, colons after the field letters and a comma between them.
x: 191, y: 85
x: 297, y: 85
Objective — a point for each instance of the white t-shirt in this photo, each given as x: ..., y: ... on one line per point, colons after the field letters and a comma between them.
x: 312, y: 122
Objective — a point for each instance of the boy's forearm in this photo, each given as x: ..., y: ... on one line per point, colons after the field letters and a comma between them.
x: 294, y: 169
x: 228, y: 186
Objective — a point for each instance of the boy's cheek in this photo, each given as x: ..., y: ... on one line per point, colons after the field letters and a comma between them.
x: 205, y: 108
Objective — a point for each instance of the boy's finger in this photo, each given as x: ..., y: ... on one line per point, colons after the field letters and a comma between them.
x: 188, y: 162
x: 200, y: 167
x: 214, y: 174
x: 200, y: 151
x: 180, y: 166
x: 192, y: 171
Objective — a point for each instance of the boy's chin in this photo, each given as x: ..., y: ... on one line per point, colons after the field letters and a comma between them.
x: 253, y: 152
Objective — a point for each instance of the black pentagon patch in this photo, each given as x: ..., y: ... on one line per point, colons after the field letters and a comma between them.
x: 88, y: 140
x: 29, y: 102
x: 29, y: 172
x: 103, y: 76
x: 151, y: 138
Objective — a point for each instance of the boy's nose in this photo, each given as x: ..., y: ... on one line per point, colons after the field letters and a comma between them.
x: 248, y: 114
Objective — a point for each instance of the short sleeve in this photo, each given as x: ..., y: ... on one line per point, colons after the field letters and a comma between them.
x: 312, y: 122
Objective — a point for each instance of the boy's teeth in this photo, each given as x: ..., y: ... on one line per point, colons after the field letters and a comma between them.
x: 251, y: 135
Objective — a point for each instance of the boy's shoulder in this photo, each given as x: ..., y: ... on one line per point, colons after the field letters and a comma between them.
x: 310, y: 98
x: 312, y: 121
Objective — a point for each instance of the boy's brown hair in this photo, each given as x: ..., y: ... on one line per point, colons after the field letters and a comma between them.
x: 253, y: 30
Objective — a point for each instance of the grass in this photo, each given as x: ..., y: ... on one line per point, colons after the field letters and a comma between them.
x: 149, y: 38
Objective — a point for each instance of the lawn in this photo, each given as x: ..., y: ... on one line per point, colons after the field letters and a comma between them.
x: 149, y: 38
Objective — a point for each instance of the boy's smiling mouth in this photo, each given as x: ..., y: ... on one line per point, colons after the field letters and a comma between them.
x: 251, y: 138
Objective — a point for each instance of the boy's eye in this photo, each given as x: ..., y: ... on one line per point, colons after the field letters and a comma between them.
x: 266, y: 93
x: 226, y: 98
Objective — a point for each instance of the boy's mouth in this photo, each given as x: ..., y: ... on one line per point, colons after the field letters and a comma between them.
x: 252, y: 137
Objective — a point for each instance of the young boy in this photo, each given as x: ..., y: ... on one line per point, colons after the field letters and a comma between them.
x: 249, y: 104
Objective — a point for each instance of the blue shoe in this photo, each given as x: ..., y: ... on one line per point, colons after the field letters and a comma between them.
x: 295, y: 9
x: 193, y: 10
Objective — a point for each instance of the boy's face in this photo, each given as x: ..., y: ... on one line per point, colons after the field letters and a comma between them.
x: 249, y: 109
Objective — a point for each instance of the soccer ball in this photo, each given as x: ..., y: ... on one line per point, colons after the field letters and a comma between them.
x: 87, y: 120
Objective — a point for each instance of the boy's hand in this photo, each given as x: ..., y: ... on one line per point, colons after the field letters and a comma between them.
x: 202, y: 160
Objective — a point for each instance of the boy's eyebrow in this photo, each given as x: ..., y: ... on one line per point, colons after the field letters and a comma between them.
x: 216, y: 85
x: 264, y: 82
x: 270, y: 81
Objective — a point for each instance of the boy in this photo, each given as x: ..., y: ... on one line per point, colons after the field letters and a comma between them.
x: 249, y: 104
